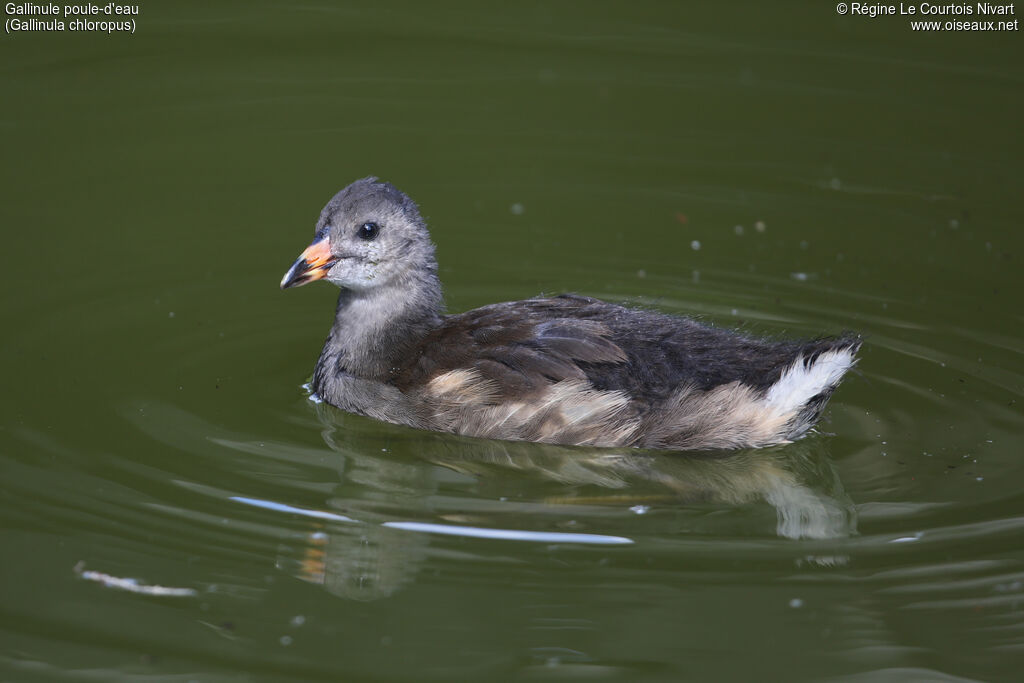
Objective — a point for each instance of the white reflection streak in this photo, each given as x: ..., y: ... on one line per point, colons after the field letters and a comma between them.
x: 133, y: 585
x: 281, y: 507
x: 907, y: 539
x: 449, y: 529
x: 510, y: 534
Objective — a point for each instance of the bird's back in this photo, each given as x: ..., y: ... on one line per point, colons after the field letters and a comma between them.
x: 571, y: 369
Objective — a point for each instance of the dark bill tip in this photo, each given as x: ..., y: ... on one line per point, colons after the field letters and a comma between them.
x: 297, y: 275
x: 313, y: 264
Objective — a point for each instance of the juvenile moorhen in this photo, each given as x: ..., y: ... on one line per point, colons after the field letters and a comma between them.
x: 566, y: 369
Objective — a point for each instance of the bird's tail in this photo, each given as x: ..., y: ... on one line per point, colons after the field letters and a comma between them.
x: 807, y: 383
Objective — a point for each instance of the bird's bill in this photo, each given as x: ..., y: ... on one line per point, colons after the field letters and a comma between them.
x: 313, y: 264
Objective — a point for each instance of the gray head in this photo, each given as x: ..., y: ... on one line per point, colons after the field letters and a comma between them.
x: 369, y: 235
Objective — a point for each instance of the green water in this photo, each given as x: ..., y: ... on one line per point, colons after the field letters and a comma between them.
x: 770, y: 166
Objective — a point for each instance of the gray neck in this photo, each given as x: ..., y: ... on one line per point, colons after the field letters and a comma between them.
x: 375, y: 330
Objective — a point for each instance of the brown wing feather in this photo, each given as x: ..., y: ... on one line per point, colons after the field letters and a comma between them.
x: 521, y: 347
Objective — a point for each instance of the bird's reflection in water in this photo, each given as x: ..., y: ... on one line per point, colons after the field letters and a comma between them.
x: 468, y: 486
x: 359, y: 562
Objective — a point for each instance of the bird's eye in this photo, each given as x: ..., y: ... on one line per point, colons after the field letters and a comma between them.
x: 368, y: 231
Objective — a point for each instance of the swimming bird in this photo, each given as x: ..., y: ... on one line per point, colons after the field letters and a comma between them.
x: 565, y: 369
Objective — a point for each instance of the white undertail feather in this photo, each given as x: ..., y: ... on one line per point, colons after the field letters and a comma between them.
x: 735, y: 416
x: 800, y: 382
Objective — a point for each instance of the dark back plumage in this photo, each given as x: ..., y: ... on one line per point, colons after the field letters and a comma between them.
x: 524, y: 345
